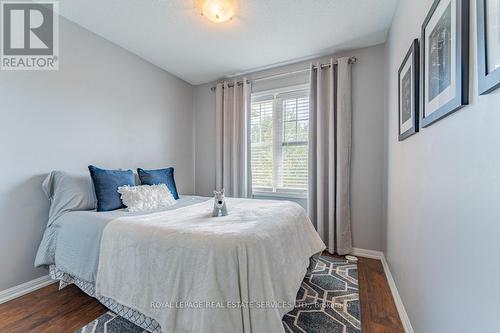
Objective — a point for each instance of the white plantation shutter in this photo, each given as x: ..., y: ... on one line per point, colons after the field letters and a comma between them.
x: 279, y: 141
x: 261, y: 139
x: 294, y: 147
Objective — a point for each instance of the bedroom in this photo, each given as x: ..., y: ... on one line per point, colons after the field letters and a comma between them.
x: 366, y: 128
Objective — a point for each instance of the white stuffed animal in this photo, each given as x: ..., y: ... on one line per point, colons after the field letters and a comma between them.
x: 220, y: 208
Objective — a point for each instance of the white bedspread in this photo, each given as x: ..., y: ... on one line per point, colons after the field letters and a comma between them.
x: 194, y: 273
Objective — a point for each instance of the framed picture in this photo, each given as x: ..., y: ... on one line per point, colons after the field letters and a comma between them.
x: 444, y: 60
x: 488, y: 45
x: 408, y: 93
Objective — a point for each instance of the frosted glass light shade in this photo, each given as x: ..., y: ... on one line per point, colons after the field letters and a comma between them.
x: 217, y: 10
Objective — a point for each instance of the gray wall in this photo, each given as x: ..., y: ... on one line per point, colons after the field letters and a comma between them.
x: 104, y: 106
x: 443, y: 212
x: 368, y: 143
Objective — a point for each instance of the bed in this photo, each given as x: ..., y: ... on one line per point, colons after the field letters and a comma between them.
x: 180, y: 270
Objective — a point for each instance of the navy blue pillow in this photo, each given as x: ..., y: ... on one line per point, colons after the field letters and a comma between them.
x: 106, y: 183
x: 161, y: 176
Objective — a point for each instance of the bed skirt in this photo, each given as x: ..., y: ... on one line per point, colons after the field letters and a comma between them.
x: 131, y: 315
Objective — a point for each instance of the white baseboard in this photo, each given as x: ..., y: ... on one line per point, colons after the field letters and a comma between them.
x: 368, y: 253
x: 397, y: 299
x: 405, y: 320
x: 25, y: 288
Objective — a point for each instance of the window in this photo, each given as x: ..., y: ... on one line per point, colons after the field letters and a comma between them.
x: 279, y: 131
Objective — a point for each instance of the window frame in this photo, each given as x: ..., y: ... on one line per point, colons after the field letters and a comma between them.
x: 278, y: 136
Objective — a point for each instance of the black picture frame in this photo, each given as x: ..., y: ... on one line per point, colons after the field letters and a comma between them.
x: 461, y: 70
x: 487, y: 82
x: 412, y: 56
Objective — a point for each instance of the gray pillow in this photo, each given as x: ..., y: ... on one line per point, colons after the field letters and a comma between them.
x: 68, y: 192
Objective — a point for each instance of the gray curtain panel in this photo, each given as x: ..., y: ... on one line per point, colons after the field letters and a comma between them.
x: 330, y: 155
x: 231, y: 116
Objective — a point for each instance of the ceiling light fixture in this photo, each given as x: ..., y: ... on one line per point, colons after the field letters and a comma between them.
x: 217, y: 10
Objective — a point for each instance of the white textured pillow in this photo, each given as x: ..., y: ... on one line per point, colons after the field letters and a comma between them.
x: 146, y: 197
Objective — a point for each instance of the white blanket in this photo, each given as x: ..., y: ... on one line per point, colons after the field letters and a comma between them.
x: 195, y: 273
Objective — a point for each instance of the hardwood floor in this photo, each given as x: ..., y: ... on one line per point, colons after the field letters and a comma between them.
x: 50, y: 310
x: 378, y: 310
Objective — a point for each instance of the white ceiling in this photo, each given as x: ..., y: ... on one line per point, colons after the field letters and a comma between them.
x: 172, y: 35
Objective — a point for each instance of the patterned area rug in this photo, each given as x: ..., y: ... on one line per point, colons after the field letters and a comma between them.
x: 327, y: 302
